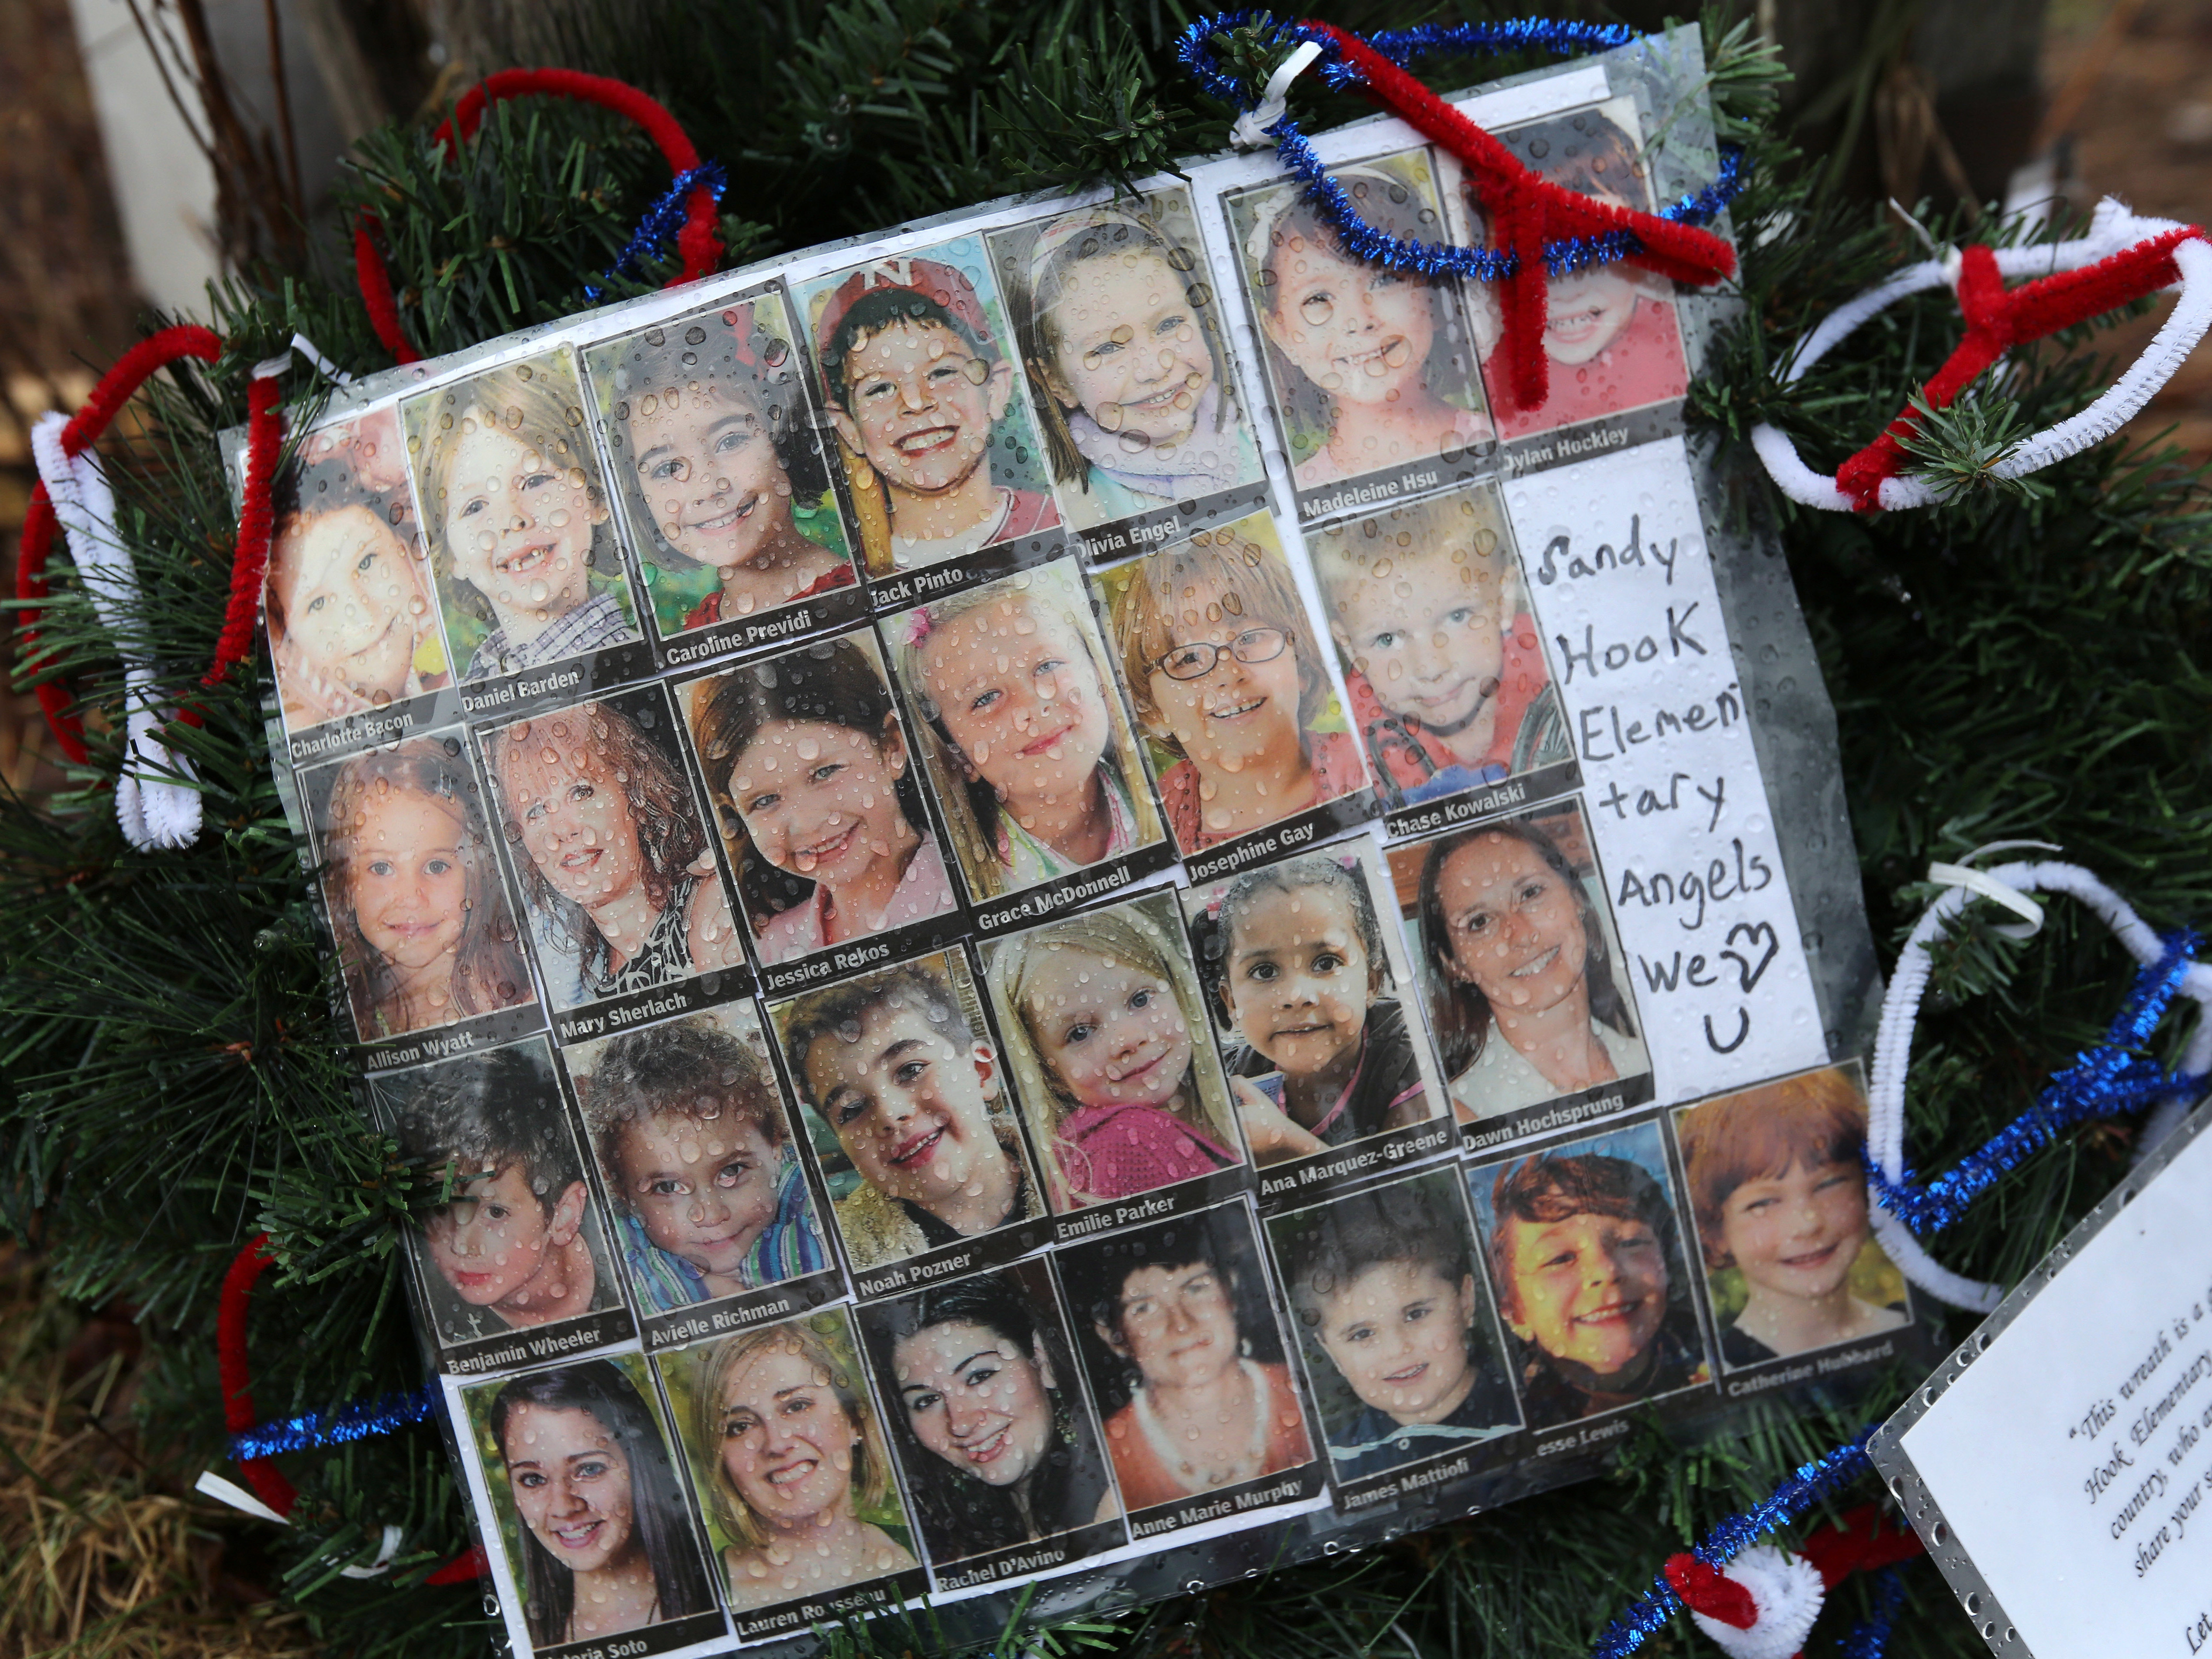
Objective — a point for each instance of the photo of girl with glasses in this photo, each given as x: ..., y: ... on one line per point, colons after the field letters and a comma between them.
x: 517, y: 521
x: 807, y: 764
x: 1024, y: 734
x: 989, y: 1415
x: 622, y: 888
x: 1186, y: 1358
x: 1372, y: 371
x: 592, y: 1510
x: 1519, y: 951
x: 718, y: 466
x: 351, y: 626
x: 424, y: 932
x: 1129, y: 371
x: 1228, y: 683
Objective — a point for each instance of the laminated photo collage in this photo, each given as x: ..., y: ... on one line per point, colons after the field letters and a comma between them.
x: 1044, y: 889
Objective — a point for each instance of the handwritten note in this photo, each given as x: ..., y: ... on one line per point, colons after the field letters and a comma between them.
x: 2072, y: 1459
x: 1622, y: 588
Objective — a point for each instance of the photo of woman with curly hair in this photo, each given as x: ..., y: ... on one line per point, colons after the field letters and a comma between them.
x: 611, y: 850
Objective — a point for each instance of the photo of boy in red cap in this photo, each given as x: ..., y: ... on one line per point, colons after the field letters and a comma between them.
x: 936, y: 442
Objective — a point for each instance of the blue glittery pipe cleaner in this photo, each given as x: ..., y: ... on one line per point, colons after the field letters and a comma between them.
x: 660, y: 221
x: 359, y: 1420
x: 1362, y: 240
x: 1806, y: 1486
x: 2110, y: 1080
x: 1869, y: 1638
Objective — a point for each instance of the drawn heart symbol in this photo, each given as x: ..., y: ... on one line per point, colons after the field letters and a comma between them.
x: 1753, y: 932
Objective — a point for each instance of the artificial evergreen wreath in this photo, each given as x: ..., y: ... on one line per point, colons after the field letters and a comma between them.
x: 2025, y: 661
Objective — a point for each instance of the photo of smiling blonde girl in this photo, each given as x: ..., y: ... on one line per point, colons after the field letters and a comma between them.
x: 1130, y: 374
x: 718, y: 466
x: 515, y: 514
x: 1112, y: 1054
x: 1024, y: 734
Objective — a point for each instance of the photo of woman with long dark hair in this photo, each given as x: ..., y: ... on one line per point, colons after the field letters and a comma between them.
x: 987, y: 1415
x: 1523, y: 997
x: 611, y: 849
x: 602, y: 1535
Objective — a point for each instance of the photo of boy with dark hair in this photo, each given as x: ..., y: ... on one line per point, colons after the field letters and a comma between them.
x: 1392, y: 1313
x: 516, y: 1240
x: 707, y: 1194
x: 937, y: 445
x: 893, y: 1066
x: 1586, y: 1256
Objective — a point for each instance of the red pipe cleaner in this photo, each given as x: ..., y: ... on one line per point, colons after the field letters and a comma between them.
x: 238, y: 1413
x: 1865, y: 1540
x: 116, y: 388
x: 1525, y: 211
x: 700, y: 242
x: 1997, y: 320
x: 249, y: 559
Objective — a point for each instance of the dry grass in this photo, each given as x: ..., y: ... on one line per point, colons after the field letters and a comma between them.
x: 100, y: 1558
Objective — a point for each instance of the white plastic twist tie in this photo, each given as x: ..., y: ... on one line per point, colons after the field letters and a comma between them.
x: 214, y: 1485
x: 1250, y: 131
x: 324, y: 366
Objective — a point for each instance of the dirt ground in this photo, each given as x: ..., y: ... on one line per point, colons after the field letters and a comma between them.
x: 2144, y: 134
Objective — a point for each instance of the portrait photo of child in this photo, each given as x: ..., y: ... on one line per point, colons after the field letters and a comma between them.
x: 1215, y: 652
x: 411, y: 879
x: 1372, y: 373
x: 1112, y: 1054
x: 617, y: 872
x: 1305, y: 989
x: 1777, y: 1183
x: 592, y: 1525
x: 528, y: 563
x: 817, y: 796
x: 511, y: 1239
x: 1527, y: 989
x: 1610, y: 331
x: 1442, y: 660
x: 718, y: 465
x: 1394, y: 1318
x: 919, y: 378
x: 1023, y: 735
x: 903, y: 1101
x: 1123, y: 343
x: 1584, y: 1241
x: 1179, y: 1335
x: 353, y: 625
x: 697, y: 1159
x: 790, y: 1461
